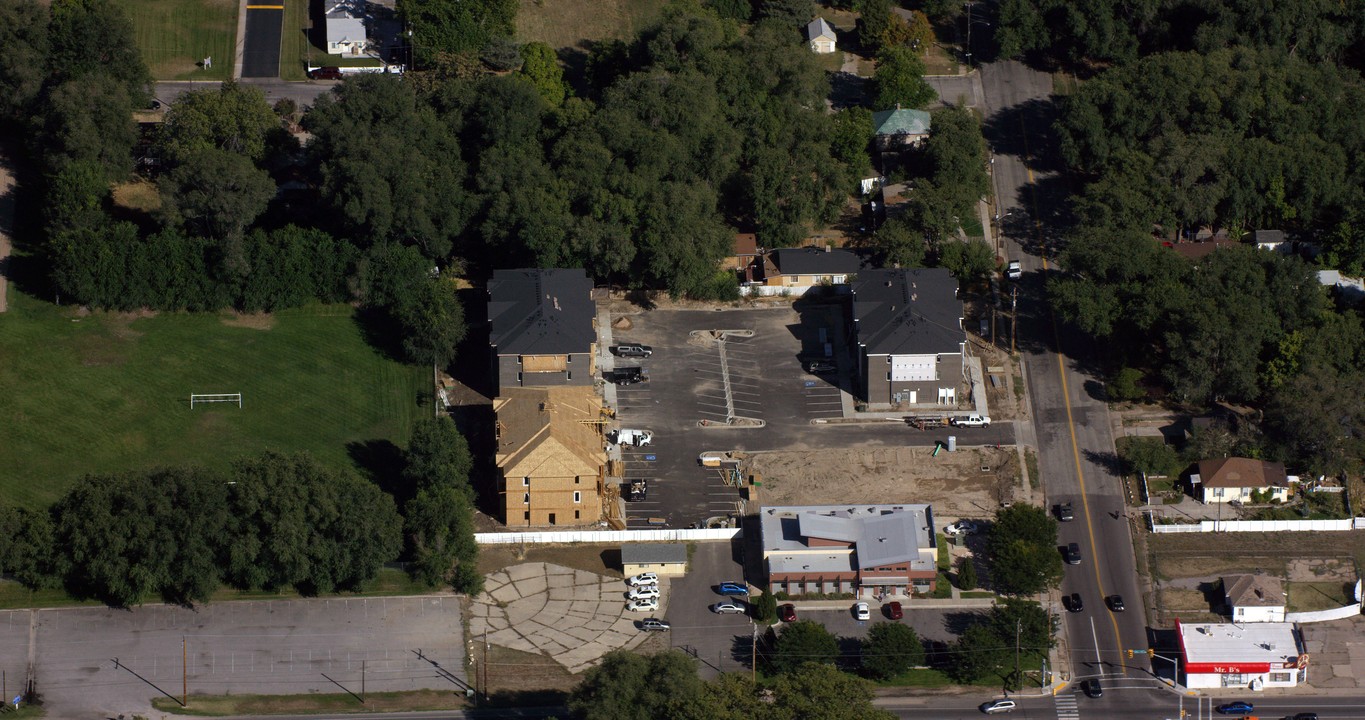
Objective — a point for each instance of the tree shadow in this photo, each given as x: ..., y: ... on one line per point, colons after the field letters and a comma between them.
x: 1038, y: 145
x: 495, y: 705
x: 957, y: 623
x: 1096, y: 390
x: 574, y: 60
x: 380, y: 331
x: 847, y: 90
x: 1213, y: 595
x: 382, y: 462
x: 1110, y: 461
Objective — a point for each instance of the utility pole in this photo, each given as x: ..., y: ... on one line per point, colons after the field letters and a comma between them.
x: 362, y: 680
x: 184, y: 672
x: 1018, y: 630
x: 753, y: 662
x: 1014, y: 315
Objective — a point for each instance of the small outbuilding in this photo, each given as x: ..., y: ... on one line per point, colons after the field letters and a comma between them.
x: 658, y: 558
x: 1254, y: 598
x: 821, y: 36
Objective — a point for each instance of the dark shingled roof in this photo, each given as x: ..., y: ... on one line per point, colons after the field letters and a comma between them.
x: 908, y: 312
x: 817, y: 261
x: 541, y: 312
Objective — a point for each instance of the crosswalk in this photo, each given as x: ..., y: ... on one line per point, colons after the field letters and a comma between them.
x: 1066, y: 706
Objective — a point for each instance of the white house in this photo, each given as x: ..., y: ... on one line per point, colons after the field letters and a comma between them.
x: 1229, y: 479
x: 1254, y: 598
x: 821, y: 37
x: 346, y: 27
x: 1255, y: 656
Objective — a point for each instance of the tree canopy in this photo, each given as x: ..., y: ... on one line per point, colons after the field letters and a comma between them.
x: 1022, y: 546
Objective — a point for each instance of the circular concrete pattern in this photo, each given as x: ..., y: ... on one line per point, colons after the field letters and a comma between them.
x: 573, y: 616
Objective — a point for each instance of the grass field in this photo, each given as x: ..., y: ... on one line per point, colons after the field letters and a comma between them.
x: 566, y: 23
x: 219, y: 705
x: 174, y: 35
x: 109, y: 392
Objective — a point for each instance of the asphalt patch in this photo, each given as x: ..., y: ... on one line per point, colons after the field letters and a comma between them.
x: 264, y: 27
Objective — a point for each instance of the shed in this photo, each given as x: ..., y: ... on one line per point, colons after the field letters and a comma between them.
x: 821, y: 36
x: 658, y: 558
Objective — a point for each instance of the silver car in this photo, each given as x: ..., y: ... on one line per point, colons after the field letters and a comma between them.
x: 728, y: 607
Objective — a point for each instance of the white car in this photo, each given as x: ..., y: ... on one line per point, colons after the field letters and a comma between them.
x: 972, y: 421
x: 961, y: 527
x: 643, y: 605
x: 641, y: 592
x: 1014, y: 271
x: 726, y: 607
x: 642, y: 579
x: 998, y: 706
x: 861, y: 611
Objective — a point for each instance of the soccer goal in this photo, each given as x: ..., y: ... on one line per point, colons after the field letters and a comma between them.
x: 215, y: 398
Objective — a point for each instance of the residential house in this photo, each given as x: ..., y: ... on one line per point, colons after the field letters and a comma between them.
x: 907, y: 326
x: 658, y: 558
x: 1350, y: 289
x: 797, y: 270
x: 821, y: 36
x: 551, y: 456
x: 1270, y: 240
x: 1254, y: 598
x: 1230, y: 656
x: 544, y: 328
x: 900, y: 128
x: 872, y: 551
x: 1236, y: 478
x: 746, y: 258
x: 1196, y: 250
x: 345, y: 25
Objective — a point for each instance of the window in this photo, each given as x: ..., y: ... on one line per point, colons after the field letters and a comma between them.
x: 527, y: 516
x: 569, y: 375
x: 1280, y: 677
x: 526, y: 481
x: 518, y: 377
x: 577, y: 496
x: 568, y: 359
x: 576, y: 515
x: 577, y: 480
x: 1218, y: 492
x: 526, y: 499
x: 888, y: 377
x: 518, y: 359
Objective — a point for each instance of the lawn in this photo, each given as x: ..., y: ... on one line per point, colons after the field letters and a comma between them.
x: 567, y: 23
x: 220, y: 705
x: 105, y: 392
x: 175, y: 35
x: 298, y: 51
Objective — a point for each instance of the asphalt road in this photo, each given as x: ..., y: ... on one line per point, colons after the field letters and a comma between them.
x: 302, y: 93
x: 1070, y: 420
x: 264, y: 26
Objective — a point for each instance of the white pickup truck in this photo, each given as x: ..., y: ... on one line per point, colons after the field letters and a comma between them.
x: 971, y: 421
x: 638, y: 438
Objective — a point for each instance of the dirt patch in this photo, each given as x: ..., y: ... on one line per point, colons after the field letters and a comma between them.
x: 1203, y: 567
x: 509, y: 674
x: 140, y: 195
x: 600, y: 559
x: 1311, y: 596
x: 961, y: 484
x: 254, y: 321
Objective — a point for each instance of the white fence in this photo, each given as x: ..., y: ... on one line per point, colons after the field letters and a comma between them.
x: 1262, y: 526
x: 604, y: 536
x: 1340, y: 613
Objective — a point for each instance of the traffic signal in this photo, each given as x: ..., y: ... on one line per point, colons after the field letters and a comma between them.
x: 1151, y: 651
x: 1130, y: 654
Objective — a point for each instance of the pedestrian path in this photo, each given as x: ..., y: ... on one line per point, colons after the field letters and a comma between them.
x: 1066, y: 706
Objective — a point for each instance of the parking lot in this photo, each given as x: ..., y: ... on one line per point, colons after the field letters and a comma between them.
x: 685, y: 402
x: 103, y: 662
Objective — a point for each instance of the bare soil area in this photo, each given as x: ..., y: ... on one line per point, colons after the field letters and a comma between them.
x: 600, y: 559
x: 960, y: 484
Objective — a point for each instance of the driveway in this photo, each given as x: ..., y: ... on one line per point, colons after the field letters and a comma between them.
x: 264, y: 27
x: 720, y: 643
x: 101, y: 662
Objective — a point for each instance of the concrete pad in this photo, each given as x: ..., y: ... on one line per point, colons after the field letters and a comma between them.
x: 582, y: 635
x: 526, y: 571
x: 511, y: 639
x: 506, y: 594
x: 558, y: 581
x: 531, y: 586
x: 586, y: 592
x: 559, y: 608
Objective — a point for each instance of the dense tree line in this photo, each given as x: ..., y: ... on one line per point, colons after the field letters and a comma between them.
x: 986, y: 649
x: 1115, y: 31
x: 625, y: 686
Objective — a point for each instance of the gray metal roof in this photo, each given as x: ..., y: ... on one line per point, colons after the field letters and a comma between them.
x: 653, y: 554
x: 901, y: 121
x: 819, y: 28
x: 541, y: 312
x: 908, y: 312
x: 817, y: 261
x: 880, y: 535
x: 345, y: 29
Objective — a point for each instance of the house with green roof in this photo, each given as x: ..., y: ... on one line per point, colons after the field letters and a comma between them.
x: 900, y: 128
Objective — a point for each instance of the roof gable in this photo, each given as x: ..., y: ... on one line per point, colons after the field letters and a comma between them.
x: 1253, y: 591
x: 549, y: 432
x: 818, y: 28
x: 908, y: 312
x: 1242, y: 473
x: 901, y: 122
x: 541, y: 312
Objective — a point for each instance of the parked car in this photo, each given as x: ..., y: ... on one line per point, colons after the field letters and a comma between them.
x: 1236, y: 708
x: 1072, y: 554
x: 1073, y: 602
x: 655, y: 625
x: 1092, y: 688
x: 728, y: 607
x: 325, y: 73
x: 732, y: 588
x: 642, y: 579
x: 820, y: 367
x: 640, y: 351
x: 1115, y: 603
x: 961, y: 527
x: 640, y: 592
x: 1014, y: 270
x: 643, y: 605
x: 1064, y: 512
x: 971, y: 421
x: 992, y: 707
x: 861, y: 611
x: 786, y: 613
x: 638, y: 438
x: 894, y: 610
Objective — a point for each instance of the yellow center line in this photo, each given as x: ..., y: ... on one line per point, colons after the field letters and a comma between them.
x: 1066, y: 400
x: 264, y: 7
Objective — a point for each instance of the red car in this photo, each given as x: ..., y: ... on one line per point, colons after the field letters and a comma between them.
x: 325, y: 73
x: 787, y: 613
x: 894, y: 611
